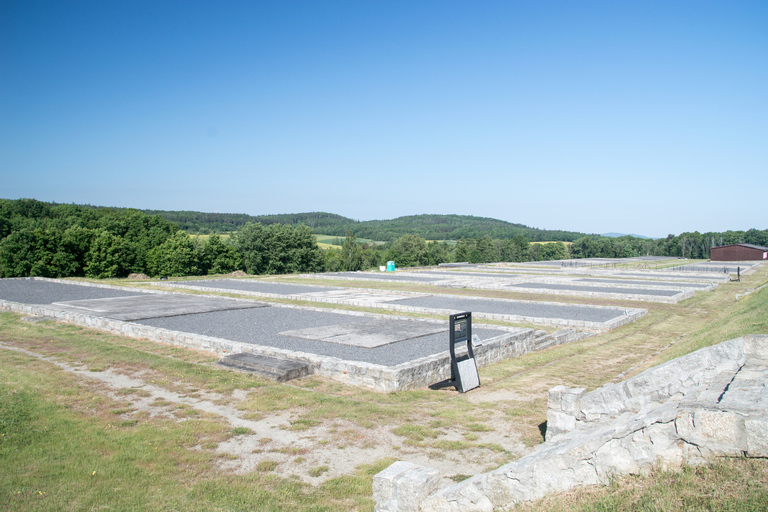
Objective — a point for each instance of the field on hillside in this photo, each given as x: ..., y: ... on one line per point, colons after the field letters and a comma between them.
x: 95, y: 421
x: 204, y: 238
x: 328, y: 241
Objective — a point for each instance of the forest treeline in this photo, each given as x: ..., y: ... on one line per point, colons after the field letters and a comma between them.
x: 62, y: 240
x: 429, y: 227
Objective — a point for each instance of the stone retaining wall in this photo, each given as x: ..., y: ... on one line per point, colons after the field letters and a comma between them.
x: 710, y: 403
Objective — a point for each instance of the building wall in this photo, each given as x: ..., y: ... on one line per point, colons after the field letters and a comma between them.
x: 736, y: 253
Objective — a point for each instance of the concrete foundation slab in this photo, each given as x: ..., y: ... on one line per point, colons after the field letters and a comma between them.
x: 586, y: 317
x: 373, y: 332
x: 255, y: 285
x: 406, y: 363
x: 144, y: 306
x: 596, y: 318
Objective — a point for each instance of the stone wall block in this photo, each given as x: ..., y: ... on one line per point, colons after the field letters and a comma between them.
x: 592, y: 406
x: 715, y: 432
x: 756, y: 431
x: 559, y: 423
x: 695, y: 361
x: 614, y: 458
x: 403, y: 486
x: 571, y: 400
x: 756, y: 345
x: 728, y: 356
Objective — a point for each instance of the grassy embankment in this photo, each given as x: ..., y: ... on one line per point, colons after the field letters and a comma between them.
x: 67, y: 443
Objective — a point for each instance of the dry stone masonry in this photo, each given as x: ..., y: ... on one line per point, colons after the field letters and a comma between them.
x: 710, y: 403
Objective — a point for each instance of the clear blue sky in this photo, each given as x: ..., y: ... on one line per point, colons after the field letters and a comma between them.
x: 636, y: 117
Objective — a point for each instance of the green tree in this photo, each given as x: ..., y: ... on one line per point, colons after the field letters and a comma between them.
x: 463, y: 249
x: 486, y: 250
x: 174, y: 257
x: 278, y: 249
x: 218, y: 257
x: 109, y: 256
x: 437, y: 252
x: 371, y: 256
x: 521, y: 251
x: 553, y: 251
x: 30, y: 252
x: 409, y: 251
x: 332, y: 260
x: 351, y: 253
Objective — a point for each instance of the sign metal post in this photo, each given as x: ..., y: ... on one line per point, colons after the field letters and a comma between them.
x: 464, y: 376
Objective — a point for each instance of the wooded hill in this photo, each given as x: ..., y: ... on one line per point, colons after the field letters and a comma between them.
x: 429, y: 227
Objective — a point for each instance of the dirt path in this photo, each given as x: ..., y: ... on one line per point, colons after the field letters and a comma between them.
x: 337, y: 444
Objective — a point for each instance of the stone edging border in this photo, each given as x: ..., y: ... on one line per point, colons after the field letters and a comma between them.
x: 410, y: 375
x: 630, y: 314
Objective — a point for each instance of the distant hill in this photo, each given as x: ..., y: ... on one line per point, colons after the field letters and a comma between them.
x: 429, y: 227
x: 202, y: 222
x: 618, y: 235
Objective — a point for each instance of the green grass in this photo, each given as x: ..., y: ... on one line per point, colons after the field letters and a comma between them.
x: 330, y: 239
x: 67, y: 445
x: 725, y: 485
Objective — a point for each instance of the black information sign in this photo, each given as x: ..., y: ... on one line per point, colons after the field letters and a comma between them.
x: 464, y: 374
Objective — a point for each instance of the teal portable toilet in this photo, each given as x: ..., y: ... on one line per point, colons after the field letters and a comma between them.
x: 390, y: 266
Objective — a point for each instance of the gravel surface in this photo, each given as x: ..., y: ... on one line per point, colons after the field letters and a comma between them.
x: 716, y: 266
x: 260, y: 286
x: 601, y: 289
x: 30, y: 291
x: 472, y: 274
x: 498, y: 307
x: 263, y: 326
x: 384, y: 276
x: 647, y: 283
x: 658, y: 273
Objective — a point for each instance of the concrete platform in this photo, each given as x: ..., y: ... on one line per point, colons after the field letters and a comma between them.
x: 377, y: 351
x: 582, y: 317
x: 145, y: 306
x: 278, y: 369
x: 492, y: 279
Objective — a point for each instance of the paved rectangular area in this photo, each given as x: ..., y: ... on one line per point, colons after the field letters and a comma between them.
x: 373, y: 333
x: 384, y: 276
x: 368, y: 339
x: 516, y: 308
x: 138, y: 307
x: 596, y: 289
x: 35, y: 291
x: 259, y: 286
x: 276, y: 326
x: 545, y: 313
x: 677, y: 284
x: 471, y: 274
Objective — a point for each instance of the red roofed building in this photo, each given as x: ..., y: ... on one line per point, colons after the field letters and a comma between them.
x: 738, y: 252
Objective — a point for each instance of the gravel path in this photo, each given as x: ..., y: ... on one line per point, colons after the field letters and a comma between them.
x: 31, y: 291
x: 646, y: 283
x: 260, y: 286
x: 598, y: 289
x: 383, y: 276
x: 473, y: 274
x: 529, y: 309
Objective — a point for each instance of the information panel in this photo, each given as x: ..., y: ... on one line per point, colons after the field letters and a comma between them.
x: 464, y: 374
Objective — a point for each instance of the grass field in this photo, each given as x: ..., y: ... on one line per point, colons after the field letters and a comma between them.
x: 93, y: 421
x: 204, y: 238
x: 328, y: 241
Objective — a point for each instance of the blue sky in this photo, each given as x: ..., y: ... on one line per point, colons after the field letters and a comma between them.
x: 634, y: 117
